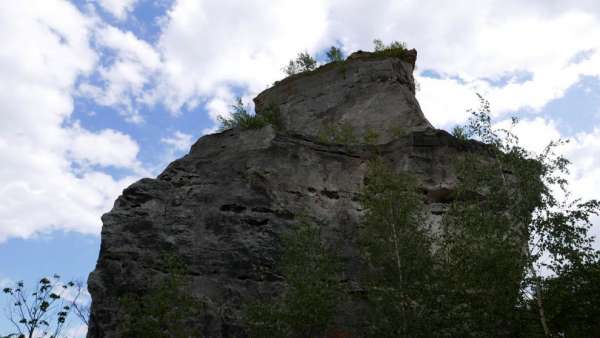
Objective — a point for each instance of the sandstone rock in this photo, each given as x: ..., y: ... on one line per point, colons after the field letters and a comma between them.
x: 366, y: 93
x: 223, y: 207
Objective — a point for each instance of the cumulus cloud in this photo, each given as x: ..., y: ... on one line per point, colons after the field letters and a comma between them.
x: 118, y: 8
x: 52, y: 176
x: 207, y: 45
x: 211, y: 48
x: 122, y: 80
x: 208, y: 52
x: 178, y: 141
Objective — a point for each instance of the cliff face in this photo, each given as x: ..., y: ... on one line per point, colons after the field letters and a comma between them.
x: 223, y: 207
x: 365, y: 93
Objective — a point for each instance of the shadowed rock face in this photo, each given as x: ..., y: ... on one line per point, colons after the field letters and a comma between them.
x: 223, y: 207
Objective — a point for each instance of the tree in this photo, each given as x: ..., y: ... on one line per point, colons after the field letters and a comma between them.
x: 379, y: 46
x: 334, y: 54
x: 396, y: 243
x: 518, y: 190
x: 165, y: 310
x: 41, y: 313
x: 307, y: 306
x: 303, y: 63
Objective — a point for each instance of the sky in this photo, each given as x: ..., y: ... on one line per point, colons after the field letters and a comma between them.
x: 95, y: 94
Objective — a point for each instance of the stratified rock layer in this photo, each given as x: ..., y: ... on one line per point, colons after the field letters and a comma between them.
x: 223, y: 207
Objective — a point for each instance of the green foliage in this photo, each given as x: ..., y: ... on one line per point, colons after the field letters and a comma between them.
x: 335, y: 54
x: 165, y: 310
x: 303, y: 63
x: 394, y: 49
x: 397, y: 246
x: 41, y: 313
x: 338, y: 134
x: 572, y: 299
x: 399, y: 131
x: 460, y: 133
x: 240, y: 117
x: 371, y: 136
x: 307, y: 307
x: 500, y: 204
x: 478, y: 276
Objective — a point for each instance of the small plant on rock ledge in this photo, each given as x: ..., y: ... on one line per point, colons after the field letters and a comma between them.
x: 394, y: 49
x: 335, y: 54
x: 240, y: 117
x: 303, y: 63
x: 338, y: 133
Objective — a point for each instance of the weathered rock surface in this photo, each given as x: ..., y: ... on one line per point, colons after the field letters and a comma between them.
x: 223, y: 207
x: 366, y: 93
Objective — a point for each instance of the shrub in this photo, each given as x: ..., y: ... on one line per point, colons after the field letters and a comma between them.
x: 240, y: 117
x: 166, y: 310
x: 334, y: 54
x: 394, y: 49
x: 303, y: 63
x: 371, y: 136
x: 307, y: 307
x: 338, y: 134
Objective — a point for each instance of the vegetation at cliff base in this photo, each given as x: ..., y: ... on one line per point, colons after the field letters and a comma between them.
x: 307, y: 306
x: 165, y: 310
x: 479, y: 273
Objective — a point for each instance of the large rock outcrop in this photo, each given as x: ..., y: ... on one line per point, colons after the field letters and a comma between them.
x: 223, y: 207
x: 366, y: 93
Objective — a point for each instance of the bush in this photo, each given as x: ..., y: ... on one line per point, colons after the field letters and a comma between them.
x: 303, y: 63
x: 335, y: 54
x: 307, y: 307
x: 338, y: 134
x: 394, y: 49
x: 166, y: 310
x: 240, y: 117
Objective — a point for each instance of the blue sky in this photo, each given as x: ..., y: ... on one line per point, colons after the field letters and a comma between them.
x: 97, y: 94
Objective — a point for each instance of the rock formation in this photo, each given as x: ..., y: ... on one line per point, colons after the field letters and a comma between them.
x: 223, y: 207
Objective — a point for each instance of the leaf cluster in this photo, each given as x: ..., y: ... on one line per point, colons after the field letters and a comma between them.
x: 304, y: 62
x: 334, y: 54
x: 164, y: 310
x: 41, y: 313
x: 342, y: 133
x: 307, y: 306
x: 241, y: 118
x: 393, y: 49
x: 509, y: 205
x: 396, y: 243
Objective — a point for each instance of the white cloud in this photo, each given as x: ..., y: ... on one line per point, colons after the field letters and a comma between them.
x: 534, y: 134
x: 50, y: 177
x: 208, y: 48
x: 105, y: 148
x: 178, y: 141
x: 207, y: 45
x: 124, y: 78
x: 118, y: 8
